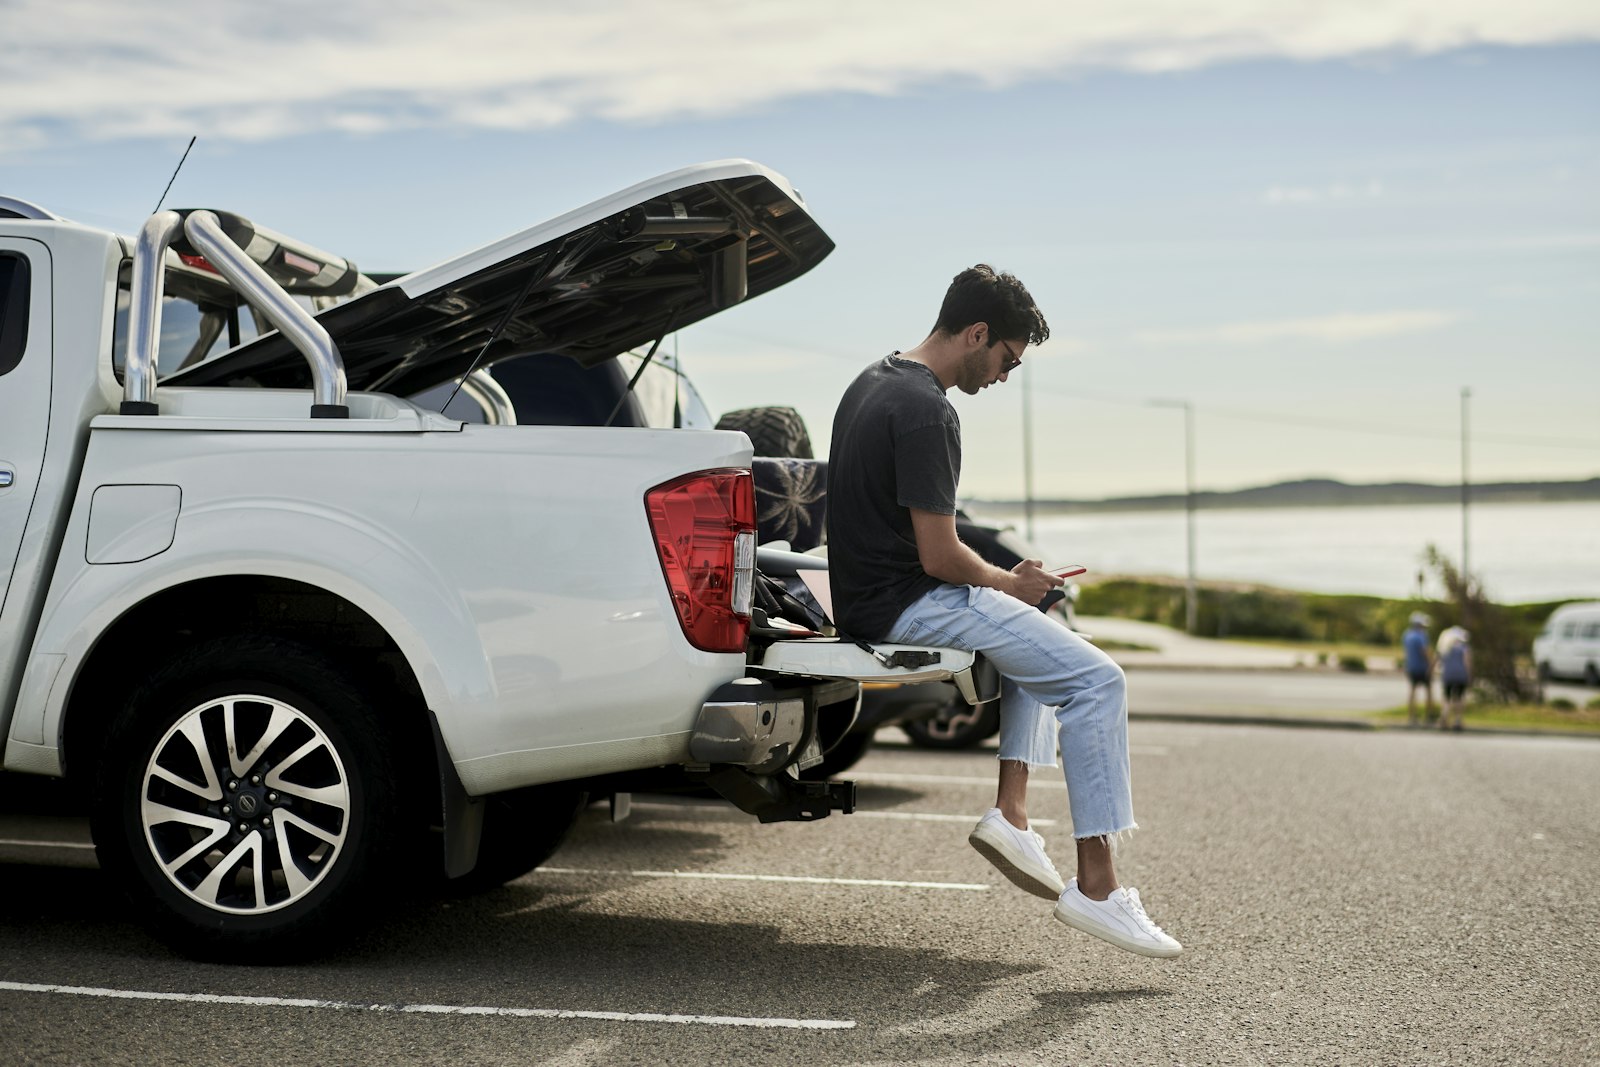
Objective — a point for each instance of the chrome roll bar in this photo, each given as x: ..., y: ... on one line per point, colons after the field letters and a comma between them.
x: 144, y: 311
x: 205, y: 233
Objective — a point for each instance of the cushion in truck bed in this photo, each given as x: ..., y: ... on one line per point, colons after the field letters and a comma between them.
x: 790, y: 500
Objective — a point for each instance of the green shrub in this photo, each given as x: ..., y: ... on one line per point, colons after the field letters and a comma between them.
x: 1354, y: 664
x: 1501, y: 634
x: 1593, y: 705
x: 1498, y: 640
x: 1563, y: 704
x: 1253, y: 611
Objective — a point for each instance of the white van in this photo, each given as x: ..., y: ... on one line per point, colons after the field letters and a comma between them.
x: 1569, y: 644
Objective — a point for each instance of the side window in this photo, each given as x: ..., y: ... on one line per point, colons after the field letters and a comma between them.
x: 1592, y: 630
x: 15, y: 279
x: 200, y: 317
x: 1569, y: 631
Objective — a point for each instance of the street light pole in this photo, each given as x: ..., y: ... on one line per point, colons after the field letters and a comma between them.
x: 1191, y: 603
x: 1466, y: 483
x: 1027, y: 448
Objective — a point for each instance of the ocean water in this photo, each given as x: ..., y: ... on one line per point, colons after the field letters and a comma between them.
x: 1522, y: 552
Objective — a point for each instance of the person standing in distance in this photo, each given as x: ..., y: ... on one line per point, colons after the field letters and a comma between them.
x: 1455, y: 675
x: 1419, y: 668
x: 899, y: 573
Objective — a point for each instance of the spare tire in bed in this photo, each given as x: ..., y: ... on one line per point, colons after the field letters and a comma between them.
x: 773, y: 431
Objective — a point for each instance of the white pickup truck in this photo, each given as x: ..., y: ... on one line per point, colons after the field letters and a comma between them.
x: 299, y: 644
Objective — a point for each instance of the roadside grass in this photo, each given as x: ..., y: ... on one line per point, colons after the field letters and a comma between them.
x: 1363, y: 625
x: 1112, y: 645
x: 1311, y: 652
x: 1510, y: 716
x: 1329, y: 652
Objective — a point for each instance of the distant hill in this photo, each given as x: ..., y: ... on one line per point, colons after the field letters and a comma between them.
x: 1320, y: 492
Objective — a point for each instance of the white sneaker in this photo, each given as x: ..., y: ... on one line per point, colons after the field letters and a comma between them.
x: 1119, y: 919
x: 1019, y: 854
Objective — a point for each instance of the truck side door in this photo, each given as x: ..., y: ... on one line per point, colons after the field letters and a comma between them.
x: 25, y: 342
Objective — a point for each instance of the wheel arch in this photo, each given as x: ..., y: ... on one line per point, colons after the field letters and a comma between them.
x: 297, y: 611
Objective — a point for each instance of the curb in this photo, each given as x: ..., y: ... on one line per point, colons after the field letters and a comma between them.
x: 1252, y: 720
x: 1350, y: 724
x: 1234, y: 668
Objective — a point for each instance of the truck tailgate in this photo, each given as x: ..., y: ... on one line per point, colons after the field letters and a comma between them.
x: 832, y: 657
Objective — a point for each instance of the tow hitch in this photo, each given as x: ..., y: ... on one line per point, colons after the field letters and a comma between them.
x: 781, y: 797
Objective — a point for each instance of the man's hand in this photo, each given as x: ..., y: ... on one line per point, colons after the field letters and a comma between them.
x: 1030, y: 581
x: 944, y: 556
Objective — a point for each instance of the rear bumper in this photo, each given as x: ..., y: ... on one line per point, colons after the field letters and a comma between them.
x: 764, y: 727
x: 753, y: 736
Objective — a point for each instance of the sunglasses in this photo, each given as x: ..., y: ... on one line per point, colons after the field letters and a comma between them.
x: 1013, y: 359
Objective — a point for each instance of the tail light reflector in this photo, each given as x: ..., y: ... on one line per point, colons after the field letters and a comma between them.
x: 705, y: 531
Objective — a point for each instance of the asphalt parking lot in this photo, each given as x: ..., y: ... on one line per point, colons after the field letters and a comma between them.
x: 1344, y: 897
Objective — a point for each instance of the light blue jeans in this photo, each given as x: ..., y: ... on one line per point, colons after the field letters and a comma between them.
x: 1056, y: 685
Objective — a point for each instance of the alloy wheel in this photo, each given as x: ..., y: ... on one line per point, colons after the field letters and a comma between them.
x: 245, y: 804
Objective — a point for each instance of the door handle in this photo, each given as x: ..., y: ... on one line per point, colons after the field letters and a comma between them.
x: 6, y: 477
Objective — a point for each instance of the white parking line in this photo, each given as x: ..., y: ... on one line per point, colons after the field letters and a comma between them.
x: 912, y: 816
x: 433, y: 1009
x: 43, y: 844
x: 1043, y: 778
x: 920, y: 816
x: 949, y: 779
x: 971, y: 887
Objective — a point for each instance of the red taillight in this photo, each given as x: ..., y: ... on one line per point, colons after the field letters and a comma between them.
x: 198, y: 262
x: 309, y: 267
x: 705, y: 530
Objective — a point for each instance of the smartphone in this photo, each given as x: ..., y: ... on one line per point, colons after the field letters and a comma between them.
x: 1067, y: 570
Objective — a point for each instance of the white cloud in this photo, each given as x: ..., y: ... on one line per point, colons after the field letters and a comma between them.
x: 1560, y: 240
x: 1282, y: 194
x: 1327, y: 329
x: 100, y: 69
x: 1062, y: 345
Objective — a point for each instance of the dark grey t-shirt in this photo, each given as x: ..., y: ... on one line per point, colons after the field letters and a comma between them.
x: 896, y: 446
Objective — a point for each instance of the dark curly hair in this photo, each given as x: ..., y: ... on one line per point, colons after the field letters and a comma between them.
x: 979, y: 294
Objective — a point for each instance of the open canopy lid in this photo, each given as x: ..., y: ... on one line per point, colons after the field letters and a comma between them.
x: 589, y: 284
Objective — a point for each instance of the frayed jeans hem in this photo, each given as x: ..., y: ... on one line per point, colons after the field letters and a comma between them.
x: 1032, y: 766
x: 1115, y: 839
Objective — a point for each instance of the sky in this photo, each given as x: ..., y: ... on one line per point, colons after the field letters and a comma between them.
x: 1314, y: 223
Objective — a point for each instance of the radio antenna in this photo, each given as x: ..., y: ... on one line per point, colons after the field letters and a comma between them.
x: 174, y: 177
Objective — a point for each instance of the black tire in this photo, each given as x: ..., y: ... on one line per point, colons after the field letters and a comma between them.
x: 1544, y: 673
x: 773, y: 431
x: 841, y: 757
x: 1591, y: 675
x: 283, y: 841
x: 956, y: 725
x: 521, y: 829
